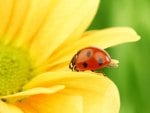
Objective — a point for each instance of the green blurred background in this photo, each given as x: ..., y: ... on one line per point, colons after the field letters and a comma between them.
x: 133, y: 74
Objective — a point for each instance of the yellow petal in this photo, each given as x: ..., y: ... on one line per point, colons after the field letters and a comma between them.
x: 34, y: 91
x: 57, y: 103
x: 16, y: 20
x: 34, y: 20
x: 5, y: 15
x: 64, y: 18
x: 8, y: 108
x: 109, y: 37
x: 99, y: 38
x: 50, y: 78
x: 23, y: 19
x: 100, y: 95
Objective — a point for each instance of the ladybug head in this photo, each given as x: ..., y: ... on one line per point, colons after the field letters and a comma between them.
x: 72, y: 65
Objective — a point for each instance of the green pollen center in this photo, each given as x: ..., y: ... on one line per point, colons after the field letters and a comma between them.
x: 15, y: 69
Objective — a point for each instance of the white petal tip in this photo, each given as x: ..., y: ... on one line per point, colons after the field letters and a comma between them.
x: 114, y: 63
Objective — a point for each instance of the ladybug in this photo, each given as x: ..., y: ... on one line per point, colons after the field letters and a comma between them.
x: 89, y: 58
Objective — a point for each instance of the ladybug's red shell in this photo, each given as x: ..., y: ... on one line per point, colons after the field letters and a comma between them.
x: 90, y: 58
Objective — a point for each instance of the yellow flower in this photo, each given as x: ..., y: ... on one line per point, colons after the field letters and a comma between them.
x: 37, y: 40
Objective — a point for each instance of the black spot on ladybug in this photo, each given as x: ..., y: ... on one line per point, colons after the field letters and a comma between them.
x: 85, y: 64
x: 88, y: 54
x: 100, y: 61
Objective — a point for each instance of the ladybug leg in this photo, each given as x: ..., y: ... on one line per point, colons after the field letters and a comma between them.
x: 75, y: 69
x: 99, y: 71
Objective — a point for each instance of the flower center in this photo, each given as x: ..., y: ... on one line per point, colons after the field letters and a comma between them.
x: 15, y: 69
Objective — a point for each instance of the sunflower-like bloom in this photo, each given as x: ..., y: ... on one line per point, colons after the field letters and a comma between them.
x: 37, y: 41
